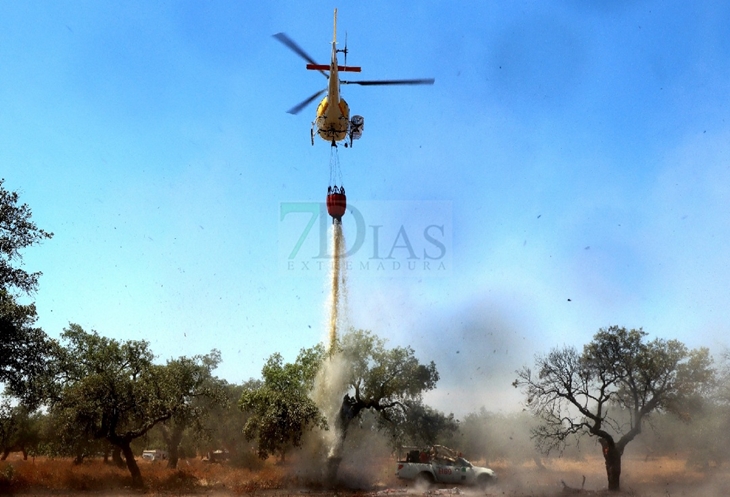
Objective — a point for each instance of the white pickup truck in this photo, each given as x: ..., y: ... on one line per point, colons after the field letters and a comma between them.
x: 435, y: 466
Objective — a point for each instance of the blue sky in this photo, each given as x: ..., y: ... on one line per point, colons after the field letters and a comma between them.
x: 576, y: 156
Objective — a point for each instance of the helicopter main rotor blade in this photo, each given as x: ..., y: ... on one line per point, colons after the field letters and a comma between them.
x: 298, y: 108
x: 292, y: 45
x: 427, y: 81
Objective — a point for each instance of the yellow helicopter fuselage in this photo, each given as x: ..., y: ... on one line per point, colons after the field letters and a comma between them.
x: 332, y: 122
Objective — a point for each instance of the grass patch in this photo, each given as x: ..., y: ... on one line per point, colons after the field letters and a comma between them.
x: 62, y: 475
x: 657, y: 477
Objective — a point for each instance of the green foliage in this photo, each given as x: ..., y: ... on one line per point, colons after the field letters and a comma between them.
x: 64, y: 436
x: 388, y: 381
x: 384, y: 378
x: 106, y: 389
x: 24, y: 351
x: 420, y: 425
x: 224, y: 428
x: 20, y: 430
x: 656, y: 375
x: 202, y: 392
x: 23, y: 347
x: 107, y: 385
x: 280, y: 409
x: 17, y: 232
x: 111, y: 390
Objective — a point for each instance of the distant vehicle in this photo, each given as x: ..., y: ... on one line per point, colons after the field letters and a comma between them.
x: 218, y: 456
x: 154, y: 455
x: 440, y: 464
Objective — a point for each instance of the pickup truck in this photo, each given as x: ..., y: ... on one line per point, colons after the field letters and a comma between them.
x: 428, y: 467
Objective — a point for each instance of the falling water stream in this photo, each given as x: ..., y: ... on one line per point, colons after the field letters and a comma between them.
x: 331, y: 384
x: 337, y: 287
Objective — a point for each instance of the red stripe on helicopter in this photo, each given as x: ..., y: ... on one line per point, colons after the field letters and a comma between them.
x: 323, y: 67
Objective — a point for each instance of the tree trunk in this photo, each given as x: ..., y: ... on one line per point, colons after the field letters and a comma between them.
x: 612, y: 456
x: 137, y: 481
x: 349, y: 410
x: 117, y: 457
x: 333, y: 466
x: 172, y: 438
x: 173, y: 454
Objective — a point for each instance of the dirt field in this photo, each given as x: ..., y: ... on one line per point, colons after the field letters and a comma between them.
x: 660, y: 477
x: 663, y: 477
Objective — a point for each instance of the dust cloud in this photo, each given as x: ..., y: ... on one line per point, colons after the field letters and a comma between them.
x: 487, y: 343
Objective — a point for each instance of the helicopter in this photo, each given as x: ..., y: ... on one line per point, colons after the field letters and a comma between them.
x: 332, y: 122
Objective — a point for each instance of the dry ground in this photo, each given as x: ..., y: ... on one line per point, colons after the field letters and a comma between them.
x: 660, y: 477
x: 663, y: 476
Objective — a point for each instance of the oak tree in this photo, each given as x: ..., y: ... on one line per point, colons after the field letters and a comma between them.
x: 619, y: 374
x: 204, y: 391
x: 387, y: 381
x: 112, y: 390
x: 280, y: 409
